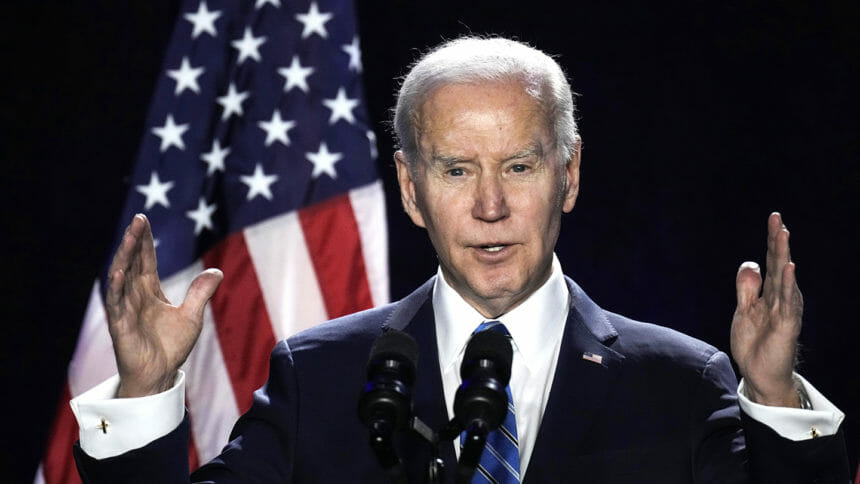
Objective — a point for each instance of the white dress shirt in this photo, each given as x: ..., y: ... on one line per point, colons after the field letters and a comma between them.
x: 536, y: 327
x: 111, y: 426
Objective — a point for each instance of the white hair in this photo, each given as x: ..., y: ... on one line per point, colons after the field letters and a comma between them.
x: 470, y: 60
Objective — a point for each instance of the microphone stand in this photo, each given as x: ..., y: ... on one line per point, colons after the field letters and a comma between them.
x: 436, y: 467
x: 473, y: 447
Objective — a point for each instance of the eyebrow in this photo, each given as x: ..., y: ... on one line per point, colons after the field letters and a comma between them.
x: 447, y: 160
x: 450, y: 160
x: 533, y: 150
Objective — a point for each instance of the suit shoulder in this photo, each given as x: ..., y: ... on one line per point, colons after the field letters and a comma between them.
x: 357, y: 327
x: 647, y: 341
x: 360, y: 329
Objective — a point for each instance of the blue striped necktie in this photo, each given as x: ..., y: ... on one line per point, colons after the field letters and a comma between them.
x: 500, y: 461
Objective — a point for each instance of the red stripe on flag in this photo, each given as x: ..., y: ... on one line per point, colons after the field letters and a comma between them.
x: 332, y: 237
x: 58, y: 464
x: 241, y: 318
x: 193, y: 457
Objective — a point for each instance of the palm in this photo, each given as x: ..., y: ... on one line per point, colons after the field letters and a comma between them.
x: 151, y: 337
x: 765, y: 327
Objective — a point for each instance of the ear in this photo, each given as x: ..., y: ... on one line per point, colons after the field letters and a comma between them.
x: 407, y: 189
x: 571, y: 171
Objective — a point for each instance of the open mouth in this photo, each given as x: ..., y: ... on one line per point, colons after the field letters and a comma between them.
x: 492, y: 248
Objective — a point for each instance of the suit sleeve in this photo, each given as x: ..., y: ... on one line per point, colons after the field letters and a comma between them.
x: 260, y: 449
x: 756, y: 452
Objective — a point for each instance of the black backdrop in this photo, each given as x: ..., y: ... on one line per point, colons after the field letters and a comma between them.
x: 698, y: 118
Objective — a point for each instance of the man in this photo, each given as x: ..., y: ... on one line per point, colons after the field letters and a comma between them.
x: 489, y: 161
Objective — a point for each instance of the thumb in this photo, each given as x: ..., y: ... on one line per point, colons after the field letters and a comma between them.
x: 748, y: 284
x: 201, y: 290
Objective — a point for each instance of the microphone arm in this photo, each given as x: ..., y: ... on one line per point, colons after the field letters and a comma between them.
x: 473, y: 447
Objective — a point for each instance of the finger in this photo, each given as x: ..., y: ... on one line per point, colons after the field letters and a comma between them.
x: 148, y: 262
x: 120, y: 266
x: 138, y: 229
x: 748, y: 284
x: 781, y: 257
x: 201, y: 290
x: 123, y: 255
x: 777, y: 255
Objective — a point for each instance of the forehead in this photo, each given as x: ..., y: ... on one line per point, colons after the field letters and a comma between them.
x: 480, y: 116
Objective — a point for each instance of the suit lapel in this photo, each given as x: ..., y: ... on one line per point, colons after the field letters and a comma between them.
x: 579, y: 387
x: 414, y: 315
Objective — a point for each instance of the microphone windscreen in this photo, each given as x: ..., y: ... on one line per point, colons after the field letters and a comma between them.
x: 489, y: 345
x: 397, y: 345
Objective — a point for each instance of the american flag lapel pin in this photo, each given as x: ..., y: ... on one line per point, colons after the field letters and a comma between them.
x: 592, y: 358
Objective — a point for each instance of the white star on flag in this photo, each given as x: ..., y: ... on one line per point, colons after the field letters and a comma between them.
x: 215, y: 158
x: 170, y: 134
x: 296, y: 75
x: 202, y: 216
x: 260, y: 3
x: 203, y: 20
x: 324, y: 161
x: 248, y: 46
x: 354, y: 52
x: 155, y: 191
x: 276, y: 129
x: 232, y: 102
x: 341, y: 107
x: 186, y: 77
x: 259, y: 183
x: 314, y: 21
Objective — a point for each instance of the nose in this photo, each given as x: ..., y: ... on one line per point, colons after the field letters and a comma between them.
x: 490, y: 204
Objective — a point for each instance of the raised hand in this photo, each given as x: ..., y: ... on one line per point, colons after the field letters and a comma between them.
x: 765, y: 327
x: 151, y: 337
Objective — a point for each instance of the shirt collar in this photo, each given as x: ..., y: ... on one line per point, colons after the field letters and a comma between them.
x: 533, y: 324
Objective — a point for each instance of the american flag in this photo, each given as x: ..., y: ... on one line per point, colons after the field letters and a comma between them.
x: 258, y: 158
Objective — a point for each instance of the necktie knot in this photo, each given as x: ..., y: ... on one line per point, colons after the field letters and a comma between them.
x: 493, y: 325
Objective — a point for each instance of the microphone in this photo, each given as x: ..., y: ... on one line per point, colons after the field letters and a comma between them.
x: 386, y: 400
x: 481, y: 402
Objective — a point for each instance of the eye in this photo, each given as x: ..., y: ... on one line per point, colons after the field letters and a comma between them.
x: 519, y: 168
x: 456, y: 172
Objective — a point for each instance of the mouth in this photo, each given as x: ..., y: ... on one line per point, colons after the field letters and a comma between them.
x: 492, y: 248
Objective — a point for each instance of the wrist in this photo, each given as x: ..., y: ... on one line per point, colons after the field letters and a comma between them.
x: 789, y: 396
x: 129, y: 389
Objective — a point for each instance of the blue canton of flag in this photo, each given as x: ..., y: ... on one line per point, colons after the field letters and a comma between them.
x: 259, y: 114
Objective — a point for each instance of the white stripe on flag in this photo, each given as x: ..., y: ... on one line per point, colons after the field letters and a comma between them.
x: 208, y: 391
x: 368, y: 204
x: 286, y: 274
x: 93, y: 361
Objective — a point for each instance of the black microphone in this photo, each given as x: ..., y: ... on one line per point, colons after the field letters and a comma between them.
x: 481, y: 402
x: 385, y: 404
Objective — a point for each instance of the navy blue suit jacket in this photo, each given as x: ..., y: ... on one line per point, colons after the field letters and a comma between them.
x: 661, y: 407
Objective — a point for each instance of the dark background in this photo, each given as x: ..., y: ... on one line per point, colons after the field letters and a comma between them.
x: 698, y: 118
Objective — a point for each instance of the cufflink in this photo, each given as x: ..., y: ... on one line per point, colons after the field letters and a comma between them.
x: 103, y: 426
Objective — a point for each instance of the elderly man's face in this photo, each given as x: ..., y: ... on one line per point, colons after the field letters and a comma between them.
x: 489, y: 190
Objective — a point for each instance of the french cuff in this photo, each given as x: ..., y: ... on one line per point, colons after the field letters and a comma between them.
x: 111, y: 426
x: 795, y: 423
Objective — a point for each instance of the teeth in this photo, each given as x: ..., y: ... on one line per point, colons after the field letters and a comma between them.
x: 493, y: 248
